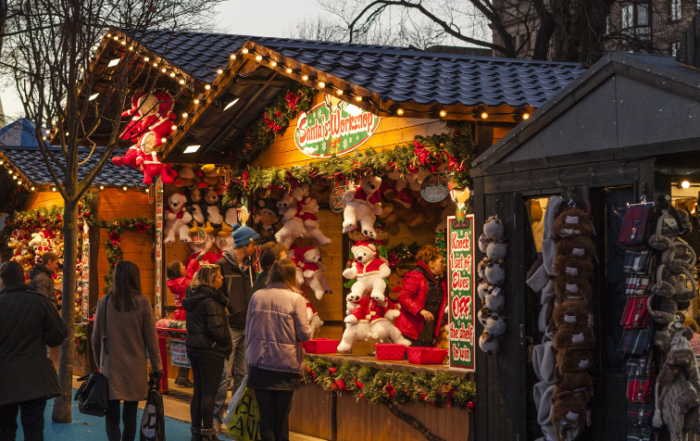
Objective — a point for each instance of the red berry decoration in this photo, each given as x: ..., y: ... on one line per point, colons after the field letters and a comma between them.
x: 332, y: 371
x: 471, y: 406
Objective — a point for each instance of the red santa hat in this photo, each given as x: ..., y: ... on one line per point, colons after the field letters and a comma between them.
x: 301, y: 252
x: 136, y: 101
x: 363, y: 244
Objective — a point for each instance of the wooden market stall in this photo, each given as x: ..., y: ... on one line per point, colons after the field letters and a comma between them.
x: 33, y: 207
x: 622, y: 134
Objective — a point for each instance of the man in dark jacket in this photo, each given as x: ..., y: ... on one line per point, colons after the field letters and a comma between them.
x: 28, y: 322
x: 41, y: 277
x: 238, y: 279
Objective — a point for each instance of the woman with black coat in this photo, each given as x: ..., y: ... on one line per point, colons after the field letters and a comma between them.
x: 208, y: 344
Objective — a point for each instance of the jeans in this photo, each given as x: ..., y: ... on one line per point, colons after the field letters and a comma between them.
x: 236, y: 361
x: 275, y: 406
x: 128, y: 417
x: 206, y: 369
x: 32, y: 420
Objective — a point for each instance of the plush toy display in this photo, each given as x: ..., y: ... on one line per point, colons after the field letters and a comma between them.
x: 149, y: 162
x: 315, y: 321
x: 214, y: 219
x: 194, y: 207
x: 362, y: 204
x: 309, y: 260
x: 205, y: 248
x: 492, y: 272
x: 369, y: 270
x: 293, y: 228
x: 177, y: 218
x: 309, y: 208
x: 265, y: 217
x: 370, y: 319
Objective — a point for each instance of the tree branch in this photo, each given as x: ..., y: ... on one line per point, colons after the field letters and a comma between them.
x: 413, y: 422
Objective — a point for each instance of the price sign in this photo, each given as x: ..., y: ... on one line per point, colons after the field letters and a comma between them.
x: 461, y: 287
x: 178, y: 354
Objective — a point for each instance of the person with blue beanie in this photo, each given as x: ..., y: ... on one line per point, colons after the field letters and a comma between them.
x: 236, y: 267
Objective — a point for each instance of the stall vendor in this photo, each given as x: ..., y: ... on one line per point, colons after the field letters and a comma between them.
x: 423, y: 299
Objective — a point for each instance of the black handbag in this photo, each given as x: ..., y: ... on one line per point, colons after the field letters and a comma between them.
x: 93, y: 394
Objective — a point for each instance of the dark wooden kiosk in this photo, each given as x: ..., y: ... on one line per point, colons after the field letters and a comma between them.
x: 626, y: 129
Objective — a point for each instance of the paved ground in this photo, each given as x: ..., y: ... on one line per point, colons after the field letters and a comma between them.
x: 177, y: 416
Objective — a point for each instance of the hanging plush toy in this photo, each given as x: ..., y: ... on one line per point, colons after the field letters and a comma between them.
x: 313, y: 269
x: 315, y: 321
x: 194, y: 207
x: 214, y: 219
x: 203, y: 248
x: 293, y: 227
x: 143, y: 112
x: 369, y: 270
x: 309, y: 209
x: 177, y: 218
x: 265, y: 217
x: 149, y: 162
x: 362, y: 204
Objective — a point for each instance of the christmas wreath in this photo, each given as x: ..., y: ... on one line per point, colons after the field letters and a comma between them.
x: 114, y: 240
x: 456, y: 149
x: 390, y: 386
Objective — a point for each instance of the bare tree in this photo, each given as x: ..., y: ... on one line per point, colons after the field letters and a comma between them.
x: 76, y: 65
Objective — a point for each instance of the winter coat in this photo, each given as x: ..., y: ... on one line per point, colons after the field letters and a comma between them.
x: 277, y: 322
x: 237, y: 285
x: 41, y: 280
x: 414, y: 289
x: 130, y: 334
x: 207, y: 326
x: 179, y: 289
x: 28, y: 322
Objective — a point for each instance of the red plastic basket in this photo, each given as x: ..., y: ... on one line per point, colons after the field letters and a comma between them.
x: 390, y: 351
x: 426, y: 355
x: 321, y: 346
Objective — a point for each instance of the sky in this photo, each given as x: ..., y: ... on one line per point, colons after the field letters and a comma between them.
x: 266, y: 18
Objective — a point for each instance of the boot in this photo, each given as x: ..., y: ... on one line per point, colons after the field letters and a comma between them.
x: 209, y: 435
x: 196, y: 433
x: 183, y: 377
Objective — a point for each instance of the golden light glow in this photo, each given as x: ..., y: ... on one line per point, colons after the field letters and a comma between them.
x: 172, y: 74
x: 399, y: 112
x: 290, y: 70
x: 305, y: 77
x: 258, y: 57
x: 196, y: 101
x: 526, y: 116
x: 220, y: 71
x: 163, y: 140
x: 321, y: 84
x: 53, y: 188
x: 207, y: 87
x: 173, y: 127
x: 273, y: 63
x: 233, y: 56
x: 33, y: 189
x: 124, y: 188
x: 146, y: 59
x: 245, y: 51
x: 182, y: 82
x: 185, y: 115
x: 358, y: 98
x: 685, y: 184
x: 484, y: 115
x: 443, y: 114
x: 102, y: 187
x: 339, y: 92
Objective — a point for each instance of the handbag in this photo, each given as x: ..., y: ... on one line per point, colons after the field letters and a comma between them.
x: 153, y: 420
x: 636, y: 314
x: 640, y: 389
x: 93, y: 394
x: 637, y: 261
x: 635, y: 341
x: 636, y: 226
x: 637, y: 285
x: 640, y: 414
x: 639, y: 434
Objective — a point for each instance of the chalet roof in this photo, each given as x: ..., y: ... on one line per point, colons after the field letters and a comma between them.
x: 398, y: 74
x: 20, y: 132
x: 625, y: 106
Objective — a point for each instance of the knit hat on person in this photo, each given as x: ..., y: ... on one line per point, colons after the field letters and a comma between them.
x: 243, y: 235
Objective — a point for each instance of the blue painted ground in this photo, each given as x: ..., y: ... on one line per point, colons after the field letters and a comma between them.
x: 93, y: 428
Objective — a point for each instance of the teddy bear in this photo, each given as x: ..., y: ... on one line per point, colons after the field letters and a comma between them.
x: 315, y: 321
x: 568, y: 416
x: 295, y: 255
x: 355, y: 330
x: 403, y: 209
x: 362, y: 204
x: 213, y: 216
x: 312, y: 269
x: 188, y: 177
x: 572, y: 288
x: 394, y: 285
x: 579, y: 247
x: 574, y: 359
x: 211, y: 177
x: 148, y: 112
x: 177, y: 218
x: 132, y: 154
x: 381, y: 328
x: 494, y: 271
x: 573, y: 336
x: 266, y: 217
x: 573, y: 222
x: 194, y: 207
x: 369, y: 270
x: 371, y: 319
x: 309, y: 208
x: 223, y: 241
x: 293, y: 227
x: 352, y: 301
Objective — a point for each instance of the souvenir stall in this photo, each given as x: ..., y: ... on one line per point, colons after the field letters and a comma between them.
x: 598, y: 201
x: 108, y: 221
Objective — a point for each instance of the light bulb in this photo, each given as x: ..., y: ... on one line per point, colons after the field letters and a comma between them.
x: 44, y: 138
x: 14, y: 177
x: 164, y: 70
x: 220, y: 71
x: 358, y: 98
x: 321, y: 84
x: 207, y: 87
x: 19, y: 182
x: 185, y: 115
x: 173, y: 127
x: 233, y: 56
x: 443, y: 114
x: 163, y: 140
x: 123, y: 42
x: 685, y: 184
x: 484, y: 115
x: 33, y: 189
x: 102, y: 187
x: 305, y: 77
x: 172, y: 74
x: 273, y: 63
x: 147, y: 190
x: 196, y: 101
x: 526, y: 116
x: 155, y: 64
x: 258, y: 57
x: 245, y: 51
x: 182, y: 82
x: 131, y: 48
x: 109, y: 35
x: 146, y: 59
x: 399, y: 111
x: 82, y: 69
x: 339, y: 92
x: 53, y: 188
x: 290, y: 70
x: 116, y: 38
x: 124, y: 188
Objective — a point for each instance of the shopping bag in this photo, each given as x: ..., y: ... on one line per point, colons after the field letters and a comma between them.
x: 243, y: 416
x: 235, y: 398
x: 153, y: 421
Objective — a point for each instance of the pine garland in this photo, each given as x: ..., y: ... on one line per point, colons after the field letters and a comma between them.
x: 390, y: 386
x: 455, y: 149
x: 275, y: 120
x: 113, y: 244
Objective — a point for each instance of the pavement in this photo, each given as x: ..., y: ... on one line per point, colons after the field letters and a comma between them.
x: 177, y: 425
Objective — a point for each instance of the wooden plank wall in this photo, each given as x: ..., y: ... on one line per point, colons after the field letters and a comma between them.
x: 43, y: 199
x: 115, y: 204
x: 363, y: 421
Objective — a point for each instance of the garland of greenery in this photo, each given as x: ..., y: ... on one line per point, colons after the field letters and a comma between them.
x: 456, y: 149
x: 261, y: 133
x: 390, y: 386
x: 113, y: 244
x: 80, y: 339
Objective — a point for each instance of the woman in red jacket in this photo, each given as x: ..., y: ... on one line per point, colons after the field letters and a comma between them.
x: 423, y: 298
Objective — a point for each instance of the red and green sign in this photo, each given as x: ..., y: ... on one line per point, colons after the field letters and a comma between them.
x: 333, y: 127
x: 461, y: 286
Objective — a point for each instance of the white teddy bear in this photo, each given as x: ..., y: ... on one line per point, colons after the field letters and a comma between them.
x: 312, y: 270
x: 362, y: 203
x: 177, y: 218
x: 371, y: 319
x: 293, y: 222
x: 383, y: 330
x: 309, y: 209
x: 369, y: 270
x: 315, y: 321
x: 356, y: 329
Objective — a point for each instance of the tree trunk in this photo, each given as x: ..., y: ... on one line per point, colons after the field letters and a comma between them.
x: 62, y: 404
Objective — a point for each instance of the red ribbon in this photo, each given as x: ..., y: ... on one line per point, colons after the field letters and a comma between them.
x: 292, y: 100
x: 271, y: 124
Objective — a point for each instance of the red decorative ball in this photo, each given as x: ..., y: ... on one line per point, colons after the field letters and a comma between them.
x: 471, y: 406
x: 332, y: 371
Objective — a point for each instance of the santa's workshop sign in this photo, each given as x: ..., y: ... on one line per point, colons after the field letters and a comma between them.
x: 333, y: 127
x: 460, y: 269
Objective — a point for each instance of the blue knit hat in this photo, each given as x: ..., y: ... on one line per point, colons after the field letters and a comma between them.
x: 242, y: 236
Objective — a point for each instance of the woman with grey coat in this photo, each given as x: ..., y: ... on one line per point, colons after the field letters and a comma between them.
x: 131, y: 334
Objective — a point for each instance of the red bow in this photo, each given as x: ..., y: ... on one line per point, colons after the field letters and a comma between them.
x: 393, y: 260
x: 332, y: 371
x: 358, y: 384
x: 421, y: 152
x: 292, y: 100
x: 454, y: 164
x: 244, y: 179
x: 271, y: 124
x: 340, y: 385
x: 141, y: 227
x: 390, y: 390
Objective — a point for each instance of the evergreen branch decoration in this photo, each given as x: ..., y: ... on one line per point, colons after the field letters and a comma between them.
x: 391, y: 387
x: 113, y: 247
x: 456, y: 150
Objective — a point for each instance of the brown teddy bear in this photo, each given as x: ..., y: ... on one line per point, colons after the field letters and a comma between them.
x: 578, y: 383
x: 572, y: 223
x: 573, y: 336
x: 394, y: 287
x: 568, y: 415
x: 574, y: 359
x: 579, y: 247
